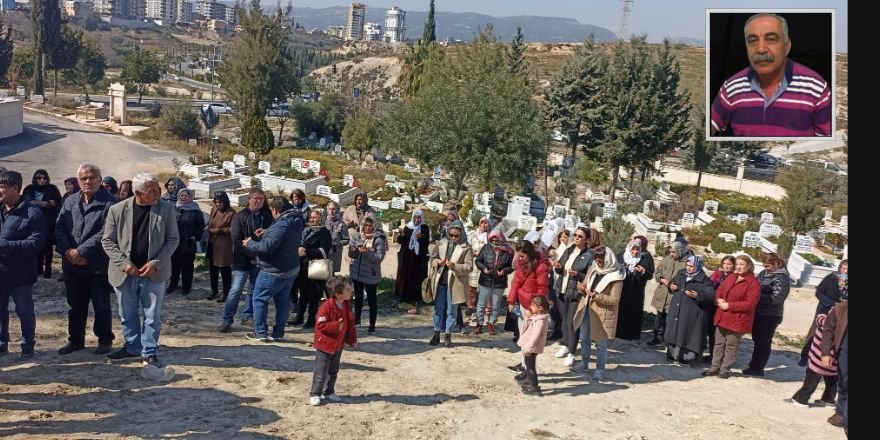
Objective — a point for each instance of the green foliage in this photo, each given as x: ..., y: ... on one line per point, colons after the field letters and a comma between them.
x: 46, y: 25
x: 360, y: 132
x: 140, y: 68
x: 801, y: 209
x: 785, y: 245
x: 430, y: 33
x: 325, y: 118
x: 815, y: 260
x: 6, y: 51
x: 720, y: 246
x: 731, y: 202
x: 516, y: 56
x: 385, y: 193
x: 179, y: 121
x: 592, y: 172
x: 840, y: 209
x: 161, y: 91
x: 22, y: 69
x: 67, y: 52
x: 466, y: 205
x: 89, y: 68
x: 698, y: 238
x: 702, y: 155
x: 294, y: 174
x: 394, y: 216
x: 835, y: 241
x: 616, y: 233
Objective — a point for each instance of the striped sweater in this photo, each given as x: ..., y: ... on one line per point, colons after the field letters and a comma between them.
x: 815, y: 358
x: 803, y: 108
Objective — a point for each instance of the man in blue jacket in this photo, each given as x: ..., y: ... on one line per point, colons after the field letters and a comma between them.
x: 279, y: 266
x: 78, y: 241
x: 22, y: 234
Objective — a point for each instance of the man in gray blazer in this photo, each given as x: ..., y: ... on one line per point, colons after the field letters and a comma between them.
x: 139, y: 237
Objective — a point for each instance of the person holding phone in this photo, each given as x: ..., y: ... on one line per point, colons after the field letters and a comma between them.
x: 367, y: 250
x: 639, y: 265
x: 686, y: 322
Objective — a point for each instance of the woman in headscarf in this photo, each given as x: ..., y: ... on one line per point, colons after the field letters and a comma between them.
x: 562, y: 242
x: 354, y: 214
x: 338, y: 233
x: 736, y: 298
x: 728, y: 265
x: 833, y: 289
x: 367, y: 250
x: 494, y: 263
x: 639, y: 266
x: 316, y: 244
x: 453, y: 260
x: 477, y: 240
x: 571, y: 269
x: 172, y: 186
x: 125, y: 191
x: 597, y: 309
x: 71, y: 186
x: 451, y: 216
x: 686, y: 323
x: 672, y: 264
x: 219, y: 253
x: 412, y: 258
x: 44, y: 195
x: 190, y: 226
x: 109, y: 183
x: 775, y: 285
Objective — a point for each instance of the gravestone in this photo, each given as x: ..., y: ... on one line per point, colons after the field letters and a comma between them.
x: 742, y: 218
x: 322, y: 142
x: 39, y: 99
x: 369, y: 159
x: 687, y: 219
x: 19, y: 91
x: 192, y: 142
x: 313, y: 136
x: 609, y: 210
x: 844, y: 221
x: 649, y: 206
x: 235, y: 141
x: 323, y: 190
x: 560, y: 211
x: 238, y: 159
x: 500, y: 193
x: 434, y: 206
x: 264, y: 166
x: 664, y: 186
x: 229, y: 167
x: 438, y: 171
x: 398, y: 203
x: 347, y: 180
x: 751, y: 239
x: 390, y: 178
x: 770, y: 230
x: 804, y: 244
x: 710, y: 206
x: 527, y: 222
x: 570, y: 221
x: 514, y: 211
x: 337, y: 148
x: 305, y: 165
x: 728, y: 237
x: 252, y: 155
x: 118, y: 104
x: 828, y: 214
x: 766, y: 217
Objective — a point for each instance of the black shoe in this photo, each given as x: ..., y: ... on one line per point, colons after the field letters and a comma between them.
x: 683, y: 362
x: 26, y: 353
x: 222, y: 299
x: 70, y: 347
x: 104, y: 348
x: 435, y: 340
x: 185, y: 292
x: 711, y: 373
x: 213, y: 295
x: 152, y: 360
x: 752, y: 372
x: 654, y: 342
x: 121, y: 354
x: 371, y: 331
x: 295, y: 322
x: 308, y: 326
x: 802, y: 362
x: 254, y: 337
x: 532, y: 391
x: 447, y: 341
x: 724, y: 375
x: 516, y: 368
x: 226, y: 327
x: 170, y: 290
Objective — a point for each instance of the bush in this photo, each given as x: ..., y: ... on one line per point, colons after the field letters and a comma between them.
x: 815, y: 261
x: 161, y: 91
x: 179, y: 121
x: 839, y: 210
x: 699, y: 239
x: 393, y: 217
x: 784, y: 246
x: 720, y: 246
x: 617, y: 232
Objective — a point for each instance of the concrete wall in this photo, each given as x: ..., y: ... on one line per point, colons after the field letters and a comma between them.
x: 11, y: 117
x: 749, y: 187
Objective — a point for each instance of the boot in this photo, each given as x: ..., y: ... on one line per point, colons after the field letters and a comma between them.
x: 478, y: 330
x: 491, y: 328
x: 213, y: 295
x: 222, y: 298
x: 448, y: 341
x: 435, y: 339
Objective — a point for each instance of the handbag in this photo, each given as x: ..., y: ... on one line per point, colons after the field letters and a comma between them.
x: 510, y: 322
x: 320, y: 268
x: 427, y: 290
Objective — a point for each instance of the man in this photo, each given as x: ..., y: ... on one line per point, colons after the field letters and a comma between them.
x: 247, y: 223
x: 835, y: 349
x: 22, y: 235
x: 775, y: 96
x: 78, y: 239
x: 279, y: 265
x: 140, y: 237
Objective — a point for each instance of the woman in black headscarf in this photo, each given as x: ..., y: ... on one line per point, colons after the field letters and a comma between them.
x: 316, y: 244
x: 71, y: 186
x: 46, y: 196
x: 125, y: 190
x: 109, y: 183
x: 190, y: 225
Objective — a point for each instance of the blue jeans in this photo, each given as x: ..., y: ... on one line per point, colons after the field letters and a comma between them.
x: 238, y: 279
x: 491, y: 295
x: 601, y: 346
x: 268, y: 286
x: 136, y: 294
x: 23, y: 296
x: 444, y: 310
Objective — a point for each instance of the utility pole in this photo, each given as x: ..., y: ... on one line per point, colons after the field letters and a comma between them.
x: 213, y: 60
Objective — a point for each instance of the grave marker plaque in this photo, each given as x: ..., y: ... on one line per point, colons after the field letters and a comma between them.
x: 239, y: 160
x: 710, y: 206
x: 687, y: 219
x: 323, y: 190
x: 609, y: 210
x: 398, y: 203
x: 804, y: 244
x: 766, y: 217
x: 348, y: 180
x: 264, y: 166
x: 751, y: 239
x: 229, y: 167
x: 770, y: 230
x: 527, y: 222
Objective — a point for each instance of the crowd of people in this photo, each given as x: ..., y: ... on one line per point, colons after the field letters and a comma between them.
x: 141, y: 243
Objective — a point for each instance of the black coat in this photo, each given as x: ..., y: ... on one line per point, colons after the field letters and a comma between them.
x: 190, y: 226
x: 494, y: 260
x: 314, y: 242
x: 22, y: 236
x: 828, y: 293
x: 774, y: 290
x: 242, y: 228
x: 686, y: 321
x: 584, y: 258
x: 81, y: 227
x: 632, y: 298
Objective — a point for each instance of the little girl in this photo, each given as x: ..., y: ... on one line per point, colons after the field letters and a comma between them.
x: 532, y: 340
x: 333, y: 327
x: 817, y: 372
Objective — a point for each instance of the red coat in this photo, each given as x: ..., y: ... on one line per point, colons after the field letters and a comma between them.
x: 328, y: 337
x: 743, y: 299
x: 529, y: 285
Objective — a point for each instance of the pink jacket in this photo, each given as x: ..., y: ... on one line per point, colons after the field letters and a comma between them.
x: 534, y: 334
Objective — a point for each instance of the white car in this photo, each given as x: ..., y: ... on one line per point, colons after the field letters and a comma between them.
x: 217, y: 108
x: 280, y: 110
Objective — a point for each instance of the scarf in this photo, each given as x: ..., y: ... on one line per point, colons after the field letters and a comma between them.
x: 610, y: 271
x: 332, y: 222
x: 594, y: 240
x: 843, y: 280
x: 483, y: 237
x: 503, y: 246
x: 628, y: 258
x: 698, y: 266
x: 73, y: 181
x: 191, y: 206
x: 413, y: 240
x: 114, y: 188
x: 457, y: 224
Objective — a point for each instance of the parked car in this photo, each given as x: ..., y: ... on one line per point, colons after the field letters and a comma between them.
x: 281, y: 110
x: 217, y: 108
x: 762, y: 160
x: 827, y: 166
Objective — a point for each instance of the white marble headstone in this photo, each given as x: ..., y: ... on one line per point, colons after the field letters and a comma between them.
x: 527, y: 222
x: 252, y: 155
x: 229, y: 166
x: 398, y: 203
x: 390, y: 178
x: 609, y: 210
x: 710, y: 206
x: 238, y: 159
x: 751, y: 239
x: 347, y: 179
x: 323, y: 190
x: 264, y: 166
x: 728, y: 237
x: 687, y: 219
x: 770, y: 230
x: 766, y: 217
x: 804, y: 244
x: 844, y: 221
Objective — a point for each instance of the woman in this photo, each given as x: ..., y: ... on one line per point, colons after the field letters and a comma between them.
x: 354, y: 214
x: 571, y: 269
x: 109, y: 183
x: 338, y: 233
x: 833, y: 289
x: 299, y: 200
x: 367, y: 250
x: 775, y: 284
x: 316, y: 244
x: 172, y: 186
x: 412, y: 259
x: 530, y: 279
x: 468, y: 309
x: 494, y: 263
x: 451, y: 216
x: 71, y: 187
x: 672, y: 264
x: 560, y: 244
x: 453, y: 260
x: 125, y: 191
x: 736, y: 298
x: 190, y: 226
x: 44, y: 195
x: 728, y: 265
x: 597, y: 309
x: 639, y: 266
x: 219, y: 253
x: 686, y: 322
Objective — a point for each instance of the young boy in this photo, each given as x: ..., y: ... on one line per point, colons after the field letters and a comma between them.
x: 334, y: 327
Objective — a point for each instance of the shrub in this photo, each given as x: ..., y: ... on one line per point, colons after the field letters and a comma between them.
x: 815, y: 261
x: 699, y: 239
x: 161, y: 91
x: 393, y: 217
x: 721, y: 246
x: 179, y: 121
x: 616, y: 232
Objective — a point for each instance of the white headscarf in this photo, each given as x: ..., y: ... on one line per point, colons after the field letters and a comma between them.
x: 630, y: 260
x: 532, y: 236
x: 483, y: 237
x: 413, y: 240
x: 551, y: 230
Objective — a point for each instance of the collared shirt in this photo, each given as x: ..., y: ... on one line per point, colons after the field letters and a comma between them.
x: 258, y: 219
x: 800, y: 107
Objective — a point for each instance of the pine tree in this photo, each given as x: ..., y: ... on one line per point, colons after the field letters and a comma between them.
x: 46, y: 22
x: 517, y: 51
x: 430, y: 33
x: 6, y: 50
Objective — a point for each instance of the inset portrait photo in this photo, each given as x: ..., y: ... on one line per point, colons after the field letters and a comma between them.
x: 770, y: 74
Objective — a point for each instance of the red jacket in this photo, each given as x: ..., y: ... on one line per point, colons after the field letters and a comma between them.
x: 743, y: 299
x: 529, y: 285
x: 328, y: 337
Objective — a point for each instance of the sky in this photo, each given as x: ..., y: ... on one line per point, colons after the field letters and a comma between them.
x: 656, y: 18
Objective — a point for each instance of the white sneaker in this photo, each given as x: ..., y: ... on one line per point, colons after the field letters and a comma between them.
x: 795, y: 403
x: 599, y: 375
x: 563, y: 351
x: 579, y: 367
x: 314, y: 400
x: 569, y: 360
x: 332, y: 397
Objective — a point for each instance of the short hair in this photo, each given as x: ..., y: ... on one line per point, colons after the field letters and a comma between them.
x: 748, y: 260
x: 298, y: 193
x: 88, y: 167
x: 542, y: 302
x: 728, y: 257
x: 766, y: 14
x: 281, y: 204
x: 256, y: 190
x: 772, y: 258
x: 11, y: 178
x: 332, y: 203
x: 336, y: 285
x: 139, y: 182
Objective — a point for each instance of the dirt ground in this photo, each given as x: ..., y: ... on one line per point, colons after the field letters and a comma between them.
x: 393, y: 385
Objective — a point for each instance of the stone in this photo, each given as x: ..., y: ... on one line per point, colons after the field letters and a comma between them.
x: 398, y: 203
x: 348, y: 179
x: 252, y: 155
x: 229, y: 167
x: 742, y: 218
x: 609, y: 210
x: 434, y: 206
x: 766, y: 217
x: 239, y: 160
x: 527, y: 223
x: 751, y: 239
x: 730, y: 238
x: 710, y: 206
x: 304, y: 165
x: 514, y: 211
x: 687, y: 219
x: 844, y: 221
x: 192, y: 142
x: 264, y: 166
x: 323, y: 190
x: 649, y: 206
x: 525, y: 203
x: 803, y: 244
x: 828, y: 214
x: 118, y: 103
x: 235, y: 141
x: 390, y: 178
x: 770, y: 230
x: 338, y: 148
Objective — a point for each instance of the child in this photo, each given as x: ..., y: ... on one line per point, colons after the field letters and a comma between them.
x: 816, y: 371
x: 334, y: 326
x: 532, y: 340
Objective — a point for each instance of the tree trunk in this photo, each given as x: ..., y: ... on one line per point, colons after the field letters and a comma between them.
x: 38, y: 73
x: 55, y: 85
x: 280, y: 129
x: 140, y: 95
x: 546, y: 171
x: 632, y: 178
x: 614, y: 181
x: 699, y: 180
x: 86, y: 92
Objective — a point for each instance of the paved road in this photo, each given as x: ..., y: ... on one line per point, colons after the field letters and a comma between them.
x: 59, y: 146
x: 132, y: 99
x: 808, y: 146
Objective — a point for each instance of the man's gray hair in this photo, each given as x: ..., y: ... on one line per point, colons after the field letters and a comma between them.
x: 88, y: 167
x: 766, y: 14
x: 139, y: 182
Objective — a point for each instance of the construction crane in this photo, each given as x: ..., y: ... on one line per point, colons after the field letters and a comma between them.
x: 624, y: 18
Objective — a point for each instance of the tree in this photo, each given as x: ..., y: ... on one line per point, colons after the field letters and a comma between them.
x: 591, y: 172
x: 140, y: 68
x: 360, y: 131
x: 66, y: 53
x: 801, y: 208
x: 418, y: 59
x: 430, y: 33
x: 616, y: 232
x: 6, y: 51
x: 517, y: 51
x: 89, y: 68
x: 46, y: 22
x: 21, y: 71
x: 178, y: 120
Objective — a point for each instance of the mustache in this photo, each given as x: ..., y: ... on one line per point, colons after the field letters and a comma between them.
x: 760, y: 58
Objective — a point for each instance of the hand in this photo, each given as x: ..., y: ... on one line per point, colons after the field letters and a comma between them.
x: 450, y: 264
x: 639, y: 269
x: 147, y: 270
x: 259, y: 232
x: 664, y: 281
x: 441, y: 263
x: 130, y: 269
x: 245, y: 241
x: 827, y: 361
x: 557, y: 264
x: 500, y: 273
x: 418, y: 235
x: 592, y: 293
x: 510, y: 308
x: 351, y: 224
x: 691, y: 293
x: 572, y: 273
x: 302, y: 251
x: 673, y: 287
x: 75, y: 258
x: 341, y: 324
x: 487, y: 271
x: 363, y: 248
x: 581, y: 288
x: 526, y: 313
x: 724, y: 306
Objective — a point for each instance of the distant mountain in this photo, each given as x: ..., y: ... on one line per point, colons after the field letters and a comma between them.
x: 463, y: 26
